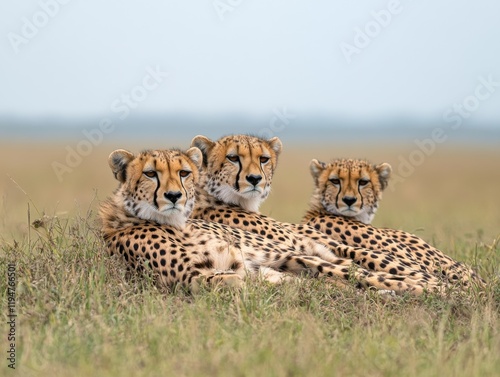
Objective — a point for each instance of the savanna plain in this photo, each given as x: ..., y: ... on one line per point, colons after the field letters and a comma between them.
x: 79, y: 313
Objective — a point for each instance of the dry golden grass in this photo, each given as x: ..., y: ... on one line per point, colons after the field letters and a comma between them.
x: 456, y: 186
x: 455, y: 190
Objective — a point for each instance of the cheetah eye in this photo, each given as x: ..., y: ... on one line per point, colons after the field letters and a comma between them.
x: 335, y: 181
x: 363, y: 182
x: 184, y: 173
x: 264, y: 159
x: 233, y: 158
x: 150, y: 173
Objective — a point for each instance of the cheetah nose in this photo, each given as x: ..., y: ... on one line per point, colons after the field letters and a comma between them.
x: 254, y: 179
x: 349, y: 200
x: 173, y: 196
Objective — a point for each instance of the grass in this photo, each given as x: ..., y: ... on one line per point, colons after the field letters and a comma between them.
x: 81, y: 314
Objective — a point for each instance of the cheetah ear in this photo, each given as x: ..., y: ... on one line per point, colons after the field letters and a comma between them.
x: 205, y: 145
x: 276, y: 145
x: 316, y: 168
x: 384, y: 173
x: 118, y: 162
x: 196, y: 156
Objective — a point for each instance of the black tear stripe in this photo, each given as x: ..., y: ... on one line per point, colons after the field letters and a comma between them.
x: 361, y: 196
x: 261, y: 167
x: 182, y: 184
x: 337, y: 196
x: 359, y: 190
x: 237, y: 183
x: 156, y: 192
x: 155, y: 197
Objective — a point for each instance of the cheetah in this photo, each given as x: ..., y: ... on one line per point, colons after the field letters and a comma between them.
x: 146, y: 221
x: 345, y: 199
x: 356, y: 188
x: 236, y: 178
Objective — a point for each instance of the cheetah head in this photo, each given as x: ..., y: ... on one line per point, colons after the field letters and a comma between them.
x: 351, y: 188
x: 157, y: 185
x: 239, y: 168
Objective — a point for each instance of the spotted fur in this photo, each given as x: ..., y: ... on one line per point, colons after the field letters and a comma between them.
x: 220, y: 175
x: 356, y: 187
x: 145, y: 222
x: 243, y: 168
x: 350, y: 225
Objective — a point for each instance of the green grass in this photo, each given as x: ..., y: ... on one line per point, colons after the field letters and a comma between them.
x: 81, y: 314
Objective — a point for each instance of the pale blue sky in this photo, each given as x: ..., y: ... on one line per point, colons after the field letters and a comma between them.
x: 262, y: 55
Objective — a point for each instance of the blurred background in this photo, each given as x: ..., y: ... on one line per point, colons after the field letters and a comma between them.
x: 415, y: 84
